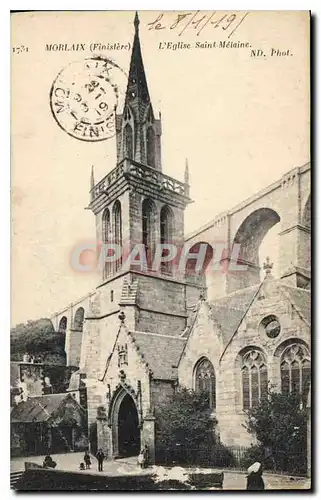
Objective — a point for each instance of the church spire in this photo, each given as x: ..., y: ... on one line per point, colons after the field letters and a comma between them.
x: 92, y: 178
x: 186, y: 174
x: 186, y: 177
x: 137, y: 89
x: 136, y: 22
x: 138, y: 131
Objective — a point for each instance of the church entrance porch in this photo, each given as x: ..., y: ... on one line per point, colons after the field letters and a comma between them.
x: 125, y: 426
x: 128, y: 430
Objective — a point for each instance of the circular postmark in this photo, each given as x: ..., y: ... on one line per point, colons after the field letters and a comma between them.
x: 84, y: 98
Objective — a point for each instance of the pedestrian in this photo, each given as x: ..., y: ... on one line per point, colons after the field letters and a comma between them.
x: 254, y: 477
x: 87, y: 460
x: 143, y: 457
x: 100, y: 457
x: 49, y: 463
x: 82, y: 466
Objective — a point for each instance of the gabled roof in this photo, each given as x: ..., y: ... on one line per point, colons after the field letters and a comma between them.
x: 229, y: 311
x: 160, y: 352
x: 301, y: 299
x: 38, y: 409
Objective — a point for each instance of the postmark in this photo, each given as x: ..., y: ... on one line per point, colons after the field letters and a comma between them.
x: 84, y: 98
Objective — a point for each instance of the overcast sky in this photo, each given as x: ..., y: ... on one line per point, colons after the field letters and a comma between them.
x: 241, y: 122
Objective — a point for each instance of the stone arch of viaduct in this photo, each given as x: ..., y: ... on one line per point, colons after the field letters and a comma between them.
x: 70, y: 321
x: 286, y: 201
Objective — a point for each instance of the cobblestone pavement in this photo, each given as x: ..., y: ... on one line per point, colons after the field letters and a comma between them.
x: 233, y: 480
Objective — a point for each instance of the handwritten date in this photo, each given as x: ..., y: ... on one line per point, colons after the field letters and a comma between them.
x: 197, y: 21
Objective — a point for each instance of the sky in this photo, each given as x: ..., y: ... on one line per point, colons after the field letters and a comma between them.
x: 242, y: 122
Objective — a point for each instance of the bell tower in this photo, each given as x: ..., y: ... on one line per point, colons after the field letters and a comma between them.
x: 138, y: 132
x: 135, y: 203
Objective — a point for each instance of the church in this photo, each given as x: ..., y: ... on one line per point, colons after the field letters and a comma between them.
x: 142, y: 333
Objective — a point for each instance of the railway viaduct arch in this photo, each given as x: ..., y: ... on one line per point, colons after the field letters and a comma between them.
x: 70, y: 321
x: 286, y: 201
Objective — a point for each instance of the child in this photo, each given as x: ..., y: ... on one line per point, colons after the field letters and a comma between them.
x: 82, y: 466
x: 87, y: 460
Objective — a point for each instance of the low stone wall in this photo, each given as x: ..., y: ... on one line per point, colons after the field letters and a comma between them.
x: 39, y: 479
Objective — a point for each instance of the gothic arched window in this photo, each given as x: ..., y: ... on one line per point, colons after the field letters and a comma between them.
x: 128, y: 142
x: 106, y: 238
x: 166, y: 232
x: 204, y: 377
x: 148, y: 229
x: 254, y: 378
x: 117, y: 230
x: 150, y: 143
x: 296, y: 370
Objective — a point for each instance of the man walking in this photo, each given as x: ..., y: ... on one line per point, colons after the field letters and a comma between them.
x: 100, y: 457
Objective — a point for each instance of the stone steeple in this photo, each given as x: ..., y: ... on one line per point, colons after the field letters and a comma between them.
x: 137, y: 89
x: 138, y: 132
x: 136, y: 202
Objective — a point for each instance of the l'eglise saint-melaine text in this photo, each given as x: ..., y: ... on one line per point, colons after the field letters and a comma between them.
x: 217, y: 44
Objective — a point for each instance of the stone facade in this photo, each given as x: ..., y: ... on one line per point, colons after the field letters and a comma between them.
x: 207, y: 340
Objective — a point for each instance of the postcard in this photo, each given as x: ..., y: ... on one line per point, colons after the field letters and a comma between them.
x: 161, y: 241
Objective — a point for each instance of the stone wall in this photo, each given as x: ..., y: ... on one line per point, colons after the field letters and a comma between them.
x: 230, y: 412
x: 36, y: 379
x: 205, y: 340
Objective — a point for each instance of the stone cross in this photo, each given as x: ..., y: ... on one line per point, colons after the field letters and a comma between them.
x: 267, y: 266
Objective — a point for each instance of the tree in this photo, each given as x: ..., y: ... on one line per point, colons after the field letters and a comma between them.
x: 35, y: 337
x: 279, y: 423
x: 185, y: 429
x: 185, y: 418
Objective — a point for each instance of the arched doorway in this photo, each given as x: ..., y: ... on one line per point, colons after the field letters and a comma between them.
x: 123, y: 416
x: 128, y: 429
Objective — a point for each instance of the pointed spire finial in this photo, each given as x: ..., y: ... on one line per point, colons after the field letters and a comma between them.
x: 267, y: 266
x: 186, y: 175
x: 136, y: 22
x: 92, y: 178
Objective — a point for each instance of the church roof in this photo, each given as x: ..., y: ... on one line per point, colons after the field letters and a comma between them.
x: 229, y: 311
x: 38, y: 409
x: 160, y: 352
x: 301, y: 299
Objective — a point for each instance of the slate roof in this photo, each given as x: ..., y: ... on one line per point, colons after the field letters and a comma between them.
x: 161, y: 352
x: 301, y: 298
x: 228, y: 311
x: 37, y: 409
